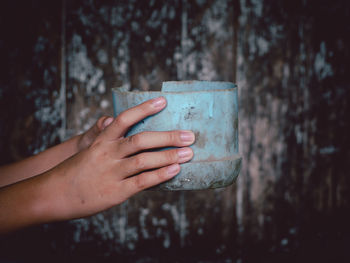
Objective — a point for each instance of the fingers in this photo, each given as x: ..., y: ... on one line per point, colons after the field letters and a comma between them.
x: 101, y: 124
x: 126, y: 119
x: 146, y: 180
x: 89, y: 136
x: 151, y: 140
x: 104, y: 122
x: 151, y: 160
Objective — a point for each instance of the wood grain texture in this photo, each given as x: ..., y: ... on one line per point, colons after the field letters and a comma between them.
x: 290, y: 60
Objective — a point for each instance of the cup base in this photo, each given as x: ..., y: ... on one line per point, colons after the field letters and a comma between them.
x: 201, y: 175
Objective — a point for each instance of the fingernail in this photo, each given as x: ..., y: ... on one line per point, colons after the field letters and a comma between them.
x: 158, y: 102
x: 107, y: 122
x: 184, y: 154
x: 187, y: 136
x: 173, y: 170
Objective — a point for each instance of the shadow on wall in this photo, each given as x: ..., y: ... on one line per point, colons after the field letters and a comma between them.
x: 291, y: 59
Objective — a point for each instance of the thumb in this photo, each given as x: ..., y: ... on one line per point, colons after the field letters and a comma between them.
x: 106, y: 122
x: 131, y: 116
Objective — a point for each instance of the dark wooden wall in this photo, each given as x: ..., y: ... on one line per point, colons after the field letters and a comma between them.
x: 290, y: 59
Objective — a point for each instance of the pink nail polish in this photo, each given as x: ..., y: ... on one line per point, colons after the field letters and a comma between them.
x: 158, y: 102
x: 187, y: 136
x: 173, y: 170
x: 107, y: 122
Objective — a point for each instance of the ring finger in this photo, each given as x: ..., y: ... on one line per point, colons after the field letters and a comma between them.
x: 151, y: 160
x: 151, y: 140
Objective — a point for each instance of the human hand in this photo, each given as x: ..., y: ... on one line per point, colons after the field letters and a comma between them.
x: 51, y: 157
x: 113, y: 168
x: 86, y: 138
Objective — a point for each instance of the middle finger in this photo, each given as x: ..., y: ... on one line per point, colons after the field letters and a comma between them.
x: 150, y: 140
x: 151, y: 160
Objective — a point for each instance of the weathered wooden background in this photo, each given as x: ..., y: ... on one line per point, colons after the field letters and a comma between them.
x: 290, y: 59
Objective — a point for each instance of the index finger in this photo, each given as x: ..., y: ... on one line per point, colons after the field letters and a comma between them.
x: 126, y: 119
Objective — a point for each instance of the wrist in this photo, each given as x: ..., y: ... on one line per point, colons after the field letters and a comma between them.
x: 43, y: 205
x: 27, y: 203
x: 52, y: 205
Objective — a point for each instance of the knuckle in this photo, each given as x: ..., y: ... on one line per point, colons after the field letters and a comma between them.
x: 147, y: 107
x: 122, y: 120
x: 96, y: 150
x: 135, y: 141
x: 96, y: 145
x: 171, y: 156
x: 173, y: 137
x: 161, y: 175
x: 140, y: 161
x: 140, y: 182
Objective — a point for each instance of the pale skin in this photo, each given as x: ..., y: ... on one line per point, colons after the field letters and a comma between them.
x: 91, y: 172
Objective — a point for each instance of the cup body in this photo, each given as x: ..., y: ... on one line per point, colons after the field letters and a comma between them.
x: 210, y: 110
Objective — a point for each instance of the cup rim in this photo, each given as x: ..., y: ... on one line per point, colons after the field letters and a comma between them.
x: 123, y: 89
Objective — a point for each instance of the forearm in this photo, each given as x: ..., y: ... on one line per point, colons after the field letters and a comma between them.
x: 39, y: 163
x: 28, y: 202
x: 105, y: 174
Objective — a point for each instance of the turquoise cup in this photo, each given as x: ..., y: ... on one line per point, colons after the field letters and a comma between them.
x: 210, y: 110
